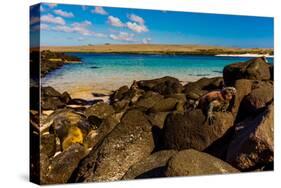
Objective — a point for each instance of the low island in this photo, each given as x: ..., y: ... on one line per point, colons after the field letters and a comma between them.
x: 160, y: 49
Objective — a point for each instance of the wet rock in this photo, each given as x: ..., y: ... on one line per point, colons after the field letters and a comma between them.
x: 128, y: 143
x: 51, y: 99
x: 47, y: 64
x: 119, y: 94
x: 165, y: 85
x: 65, y: 97
x: 100, y: 110
x: 94, y: 67
x: 49, y: 92
x: 192, y: 163
x: 51, y: 103
x: 78, y: 102
x: 62, y: 166
x: 48, y: 144
x: 164, y: 105
x: 148, y: 100
x: 153, y: 166
x: 252, y: 145
x: 99, y: 95
x: 254, y: 69
x: 83, y: 102
x: 124, y: 93
x: 191, y: 130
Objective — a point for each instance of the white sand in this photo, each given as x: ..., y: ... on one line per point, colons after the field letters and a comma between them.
x: 245, y: 55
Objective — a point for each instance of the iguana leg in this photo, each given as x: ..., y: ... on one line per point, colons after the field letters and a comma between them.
x: 195, y: 104
x: 210, y: 115
x: 225, y: 107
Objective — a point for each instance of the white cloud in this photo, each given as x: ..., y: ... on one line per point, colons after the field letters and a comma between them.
x: 123, y: 36
x: 115, y: 21
x: 44, y: 26
x: 146, y: 40
x: 136, y: 23
x: 40, y: 27
x: 34, y: 20
x: 99, y: 10
x: 136, y: 27
x: 49, y: 18
x: 51, y: 5
x: 83, y: 24
x: 63, y: 13
x: 100, y: 35
x: 136, y: 18
x: 76, y: 27
x: 80, y: 28
x: 63, y: 28
x: 81, y: 39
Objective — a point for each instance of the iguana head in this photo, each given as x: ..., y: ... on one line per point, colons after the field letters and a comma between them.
x: 228, y: 92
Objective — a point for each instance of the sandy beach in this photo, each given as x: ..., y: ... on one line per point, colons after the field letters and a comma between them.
x: 244, y: 55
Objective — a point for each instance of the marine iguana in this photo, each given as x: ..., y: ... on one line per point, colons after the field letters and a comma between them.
x: 219, y: 101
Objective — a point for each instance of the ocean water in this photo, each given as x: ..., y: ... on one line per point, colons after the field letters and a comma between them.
x: 111, y: 71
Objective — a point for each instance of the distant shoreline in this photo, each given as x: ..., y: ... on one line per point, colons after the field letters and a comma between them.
x: 244, y: 55
x: 160, y: 49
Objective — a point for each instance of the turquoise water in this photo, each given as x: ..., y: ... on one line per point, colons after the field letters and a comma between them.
x: 110, y: 71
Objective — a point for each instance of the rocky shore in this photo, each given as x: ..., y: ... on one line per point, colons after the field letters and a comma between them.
x: 53, y: 60
x: 149, y: 130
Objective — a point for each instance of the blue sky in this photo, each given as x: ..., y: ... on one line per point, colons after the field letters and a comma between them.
x: 63, y: 25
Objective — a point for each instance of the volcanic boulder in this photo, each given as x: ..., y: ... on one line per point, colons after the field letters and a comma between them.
x: 165, y: 85
x: 128, y: 143
x: 100, y: 110
x: 151, y: 167
x: 48, y: 144
x: 191, y: 130
x: 62, y: 166
x: 258, y: 98
x: 191, y: 163
x: 243, y: 88
x: 254, y: 69
x: 252, y: 145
